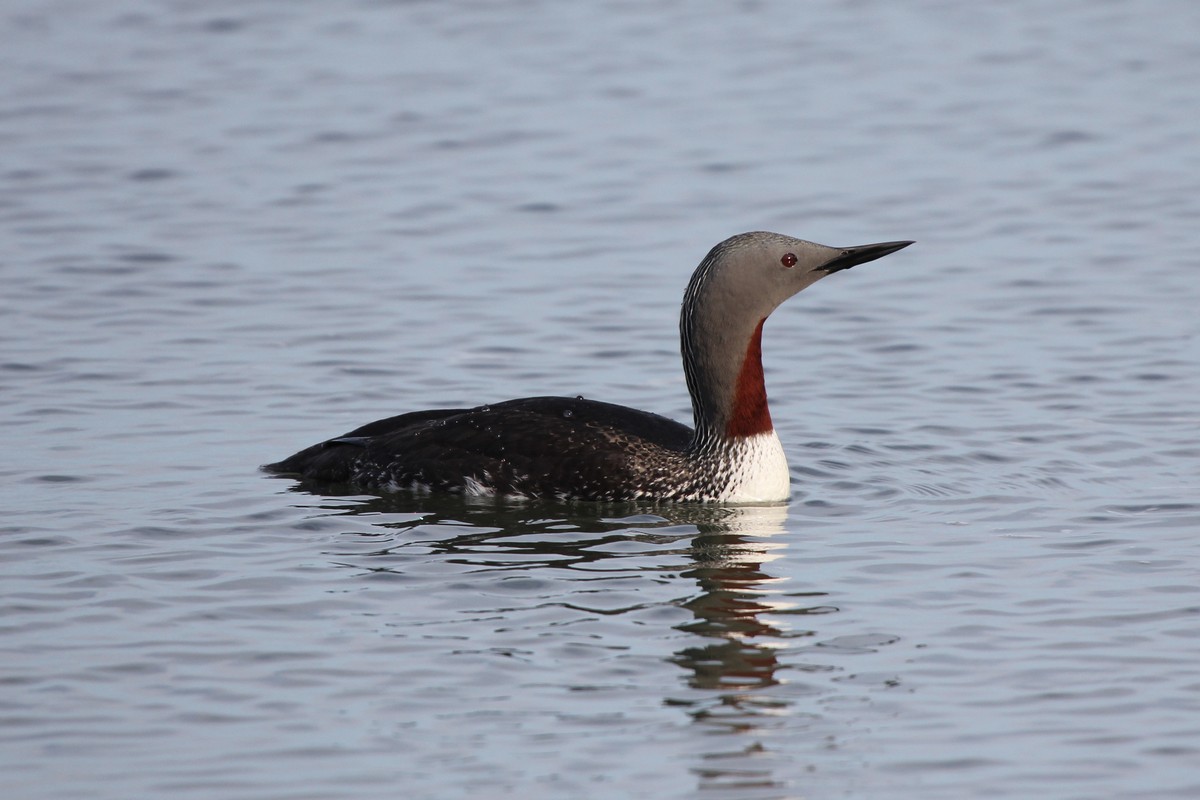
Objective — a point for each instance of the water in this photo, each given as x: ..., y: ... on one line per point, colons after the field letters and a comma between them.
x: 233, y: 229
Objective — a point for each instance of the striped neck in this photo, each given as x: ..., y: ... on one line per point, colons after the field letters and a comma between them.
x: 721, y: 342
x: 734, y: 449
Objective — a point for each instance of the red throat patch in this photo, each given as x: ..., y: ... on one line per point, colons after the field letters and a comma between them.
x: 750, y: 415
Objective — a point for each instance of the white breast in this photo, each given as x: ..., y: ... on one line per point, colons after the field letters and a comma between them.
x: 758, y: 471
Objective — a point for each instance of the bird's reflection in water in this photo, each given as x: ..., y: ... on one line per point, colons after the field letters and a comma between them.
x: 729, y: 573
x: 740, y: 612
x: 743, y: 612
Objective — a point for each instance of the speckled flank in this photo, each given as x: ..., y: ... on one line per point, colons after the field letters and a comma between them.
x: 750, y: 469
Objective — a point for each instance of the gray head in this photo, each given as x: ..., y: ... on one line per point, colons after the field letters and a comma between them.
x: 750, y: 274
x: 737, y: 285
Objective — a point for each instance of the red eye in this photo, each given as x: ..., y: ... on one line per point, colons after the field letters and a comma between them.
x: 788, y: 260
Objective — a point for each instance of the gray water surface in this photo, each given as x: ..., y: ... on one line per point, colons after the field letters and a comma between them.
x: 231, y: 230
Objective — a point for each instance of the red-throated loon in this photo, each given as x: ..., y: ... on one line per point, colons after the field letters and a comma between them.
x: 576, y: 449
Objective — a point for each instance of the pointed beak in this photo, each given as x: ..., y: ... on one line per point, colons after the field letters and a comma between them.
x: 853, y: 256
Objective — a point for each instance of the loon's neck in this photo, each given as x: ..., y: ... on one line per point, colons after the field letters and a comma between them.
x: 722, y: 362
x: 734, y: 445
x: 749, y: 414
